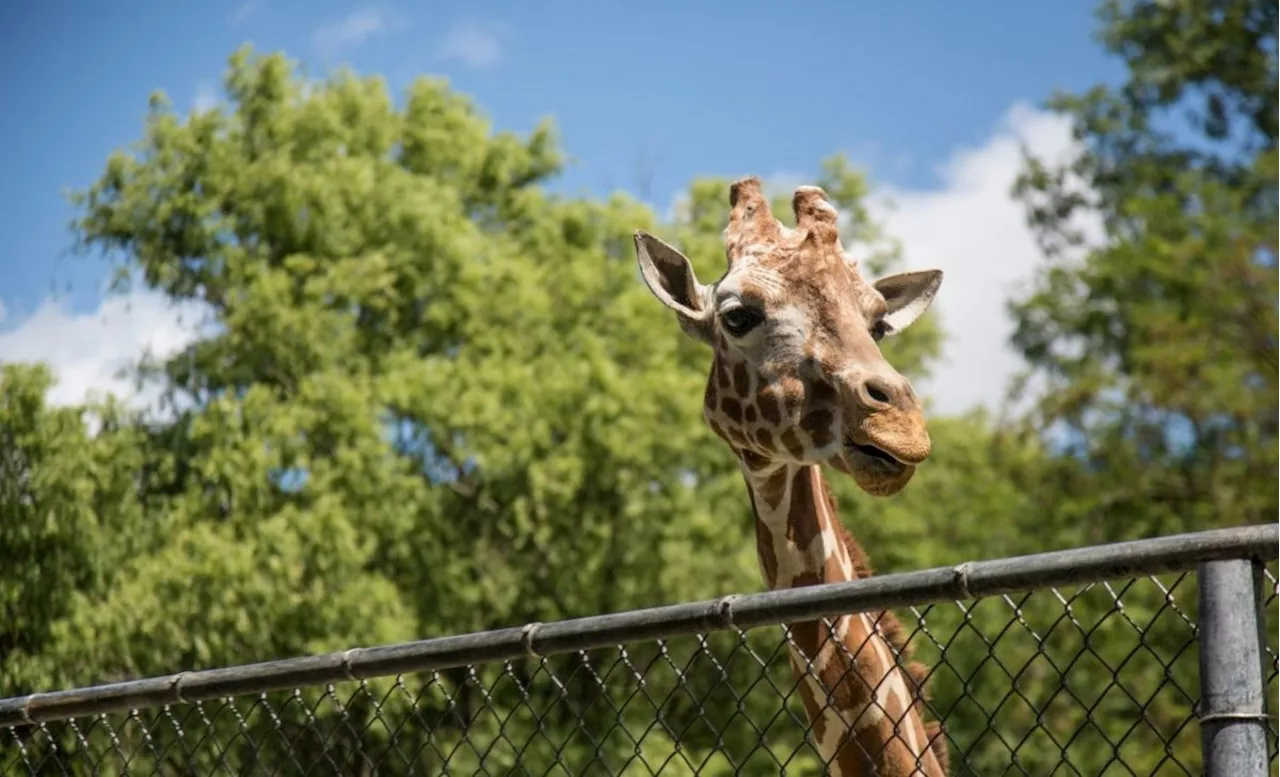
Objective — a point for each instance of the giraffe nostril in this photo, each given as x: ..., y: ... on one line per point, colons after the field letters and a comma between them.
x: 878, y: 390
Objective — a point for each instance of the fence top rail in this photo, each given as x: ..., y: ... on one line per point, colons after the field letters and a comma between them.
x: 970, y: 580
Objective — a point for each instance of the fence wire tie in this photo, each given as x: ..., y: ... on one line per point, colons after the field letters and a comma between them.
x: 724, y: 609
x: 961, y: 579
x: 527, y: 634
x: 26, y: 710
x: 177, y: 688
x: 346, y: 665
x: 1256, y: 716
x: 1260, y: 717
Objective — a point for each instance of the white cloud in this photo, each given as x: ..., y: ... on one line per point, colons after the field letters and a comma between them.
x: 206, y: 96
x: 87, y: 350
x: 350, y: 31
x: 972, y: 228
x: 477, y: 44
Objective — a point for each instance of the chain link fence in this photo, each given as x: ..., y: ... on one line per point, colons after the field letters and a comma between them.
x: 1083, y: 662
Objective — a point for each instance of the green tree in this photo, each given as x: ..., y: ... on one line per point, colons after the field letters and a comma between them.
x: 430, y: 401
x: 1150, y: 334
x: 70, y: 513
x: 1157, y: 343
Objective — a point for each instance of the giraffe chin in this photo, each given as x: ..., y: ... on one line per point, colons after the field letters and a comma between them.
x: 874, y: 471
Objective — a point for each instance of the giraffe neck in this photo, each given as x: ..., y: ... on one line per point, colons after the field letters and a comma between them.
x: 860, y: 704
x: 799, y: 539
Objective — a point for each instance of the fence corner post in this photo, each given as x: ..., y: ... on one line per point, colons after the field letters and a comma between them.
x: 1233, y: 731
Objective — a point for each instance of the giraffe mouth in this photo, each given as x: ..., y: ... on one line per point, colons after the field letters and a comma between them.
x: 877, y: 455
x: 877, y: 471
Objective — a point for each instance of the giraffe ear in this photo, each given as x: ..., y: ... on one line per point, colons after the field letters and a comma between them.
x: 907, y: 296
x: 670, y: 278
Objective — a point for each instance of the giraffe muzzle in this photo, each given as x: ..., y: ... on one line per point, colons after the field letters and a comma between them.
x: 884, y: 422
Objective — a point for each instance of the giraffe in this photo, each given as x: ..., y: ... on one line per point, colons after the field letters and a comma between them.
x: 798, y: 381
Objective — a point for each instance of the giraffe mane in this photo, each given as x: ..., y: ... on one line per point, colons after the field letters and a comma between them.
x: 916, y: 672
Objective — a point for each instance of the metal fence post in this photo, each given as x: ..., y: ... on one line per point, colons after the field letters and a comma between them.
x: 1233, y: 732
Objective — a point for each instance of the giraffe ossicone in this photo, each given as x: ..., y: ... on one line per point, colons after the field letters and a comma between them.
x: 798, y: 381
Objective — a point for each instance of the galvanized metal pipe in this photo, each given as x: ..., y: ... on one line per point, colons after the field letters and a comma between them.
x: 1233, y: 728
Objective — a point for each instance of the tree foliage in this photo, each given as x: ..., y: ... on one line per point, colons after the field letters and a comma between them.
x: 1157, y: 338
x: 1151, y: 330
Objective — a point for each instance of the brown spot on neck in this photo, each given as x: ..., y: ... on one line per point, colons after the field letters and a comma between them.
x: 804, y: 520
x: 764, y: 547
x: 772, y: 489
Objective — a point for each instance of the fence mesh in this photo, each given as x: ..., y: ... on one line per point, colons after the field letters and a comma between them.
x: 1098, y: 679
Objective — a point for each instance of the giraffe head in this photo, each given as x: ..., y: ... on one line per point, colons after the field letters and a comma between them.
x: 798, y: 376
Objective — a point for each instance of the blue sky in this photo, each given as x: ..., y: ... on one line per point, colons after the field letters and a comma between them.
x: 647, y: 96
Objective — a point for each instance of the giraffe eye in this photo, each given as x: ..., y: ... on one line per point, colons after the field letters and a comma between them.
x: 741, y: 320
x: 879, y: 329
